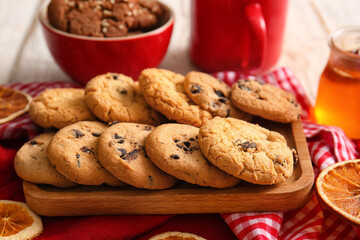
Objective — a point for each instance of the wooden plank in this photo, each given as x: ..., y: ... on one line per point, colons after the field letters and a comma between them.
x: 16, y: 18
x: 183, y: 198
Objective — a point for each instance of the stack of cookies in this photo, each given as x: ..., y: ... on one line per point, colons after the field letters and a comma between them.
x: 163, y: 128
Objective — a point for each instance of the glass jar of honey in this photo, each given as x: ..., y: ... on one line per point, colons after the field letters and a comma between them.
x: 338, y: 99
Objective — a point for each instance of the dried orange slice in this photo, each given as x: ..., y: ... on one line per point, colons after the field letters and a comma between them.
x: 338, y: 188
x: 18, y: 222
x: 13, y: 103
x: 176, y: 236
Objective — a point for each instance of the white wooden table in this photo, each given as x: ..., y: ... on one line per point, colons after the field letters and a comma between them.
x: 25, y: 57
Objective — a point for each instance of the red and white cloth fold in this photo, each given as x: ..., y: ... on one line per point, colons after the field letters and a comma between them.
x: 327, y: 145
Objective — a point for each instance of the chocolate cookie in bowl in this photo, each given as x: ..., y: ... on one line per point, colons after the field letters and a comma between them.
x: 265, y: 100
x: 104, y: 18
x: 212, y: 95
x: 91, y: 37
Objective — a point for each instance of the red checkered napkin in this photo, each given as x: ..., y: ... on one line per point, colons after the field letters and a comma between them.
x: 327, y: 145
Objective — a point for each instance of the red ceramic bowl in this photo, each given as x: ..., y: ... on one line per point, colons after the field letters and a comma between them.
x: 82, y: 58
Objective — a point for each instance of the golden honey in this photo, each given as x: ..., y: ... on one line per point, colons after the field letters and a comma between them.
x: 338, y: 99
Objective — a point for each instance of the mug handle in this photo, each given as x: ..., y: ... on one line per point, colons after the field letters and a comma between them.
x: 258, y: 26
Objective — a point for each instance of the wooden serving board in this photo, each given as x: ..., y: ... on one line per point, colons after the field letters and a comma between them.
x: 183, y: 198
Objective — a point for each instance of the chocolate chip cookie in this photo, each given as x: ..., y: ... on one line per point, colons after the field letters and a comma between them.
x: 246, y: 150
x: 105, y: 18
x: 32, y: 164
x: 164, y: 91
x: 265, y: 100
x: 174, y: 148
x: 59, y: 107
x: 122, y: 152
x: 212, y: 95
x: 74, y: 152
x: 116, y: 97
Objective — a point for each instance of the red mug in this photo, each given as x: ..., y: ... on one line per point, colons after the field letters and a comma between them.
x: 241, y: 35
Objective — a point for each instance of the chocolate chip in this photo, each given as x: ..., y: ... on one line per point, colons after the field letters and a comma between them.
x: 228, y: 113
x: 215, y: 105
x: 176, y: 140
x: 223, y: 100
x: 174, y: 156
x: 121, y: 141
x: 112, y: 123
x: 96, y: 134
x: 192, y: 139
x: 220, y: 93
x: 116, y: 136
x: 124, y: 91
x: 87, y: 150
x: 197, y: 137
x: 115, y: 77
x: 245, y: 146
x: 137, y: 125
x: 131, y: 155
x: 78, y: 160
x: 195, y: 89
x: 147, y: 128
x: 33, y: 142
x: 187, y: 144
x: 242, y: 86
x: 179, y: 146
x: 122, y: 151
x: 77, y: 133
x: 294, y: 103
